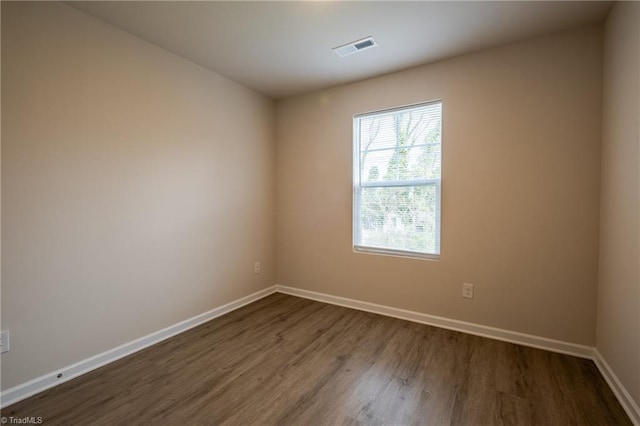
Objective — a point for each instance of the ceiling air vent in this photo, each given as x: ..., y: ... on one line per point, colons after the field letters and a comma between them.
x: 355, y: 46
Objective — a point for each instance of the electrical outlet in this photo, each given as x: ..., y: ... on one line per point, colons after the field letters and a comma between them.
x: 4, y: 342
x: 256, y: 268
x: 467, y: 291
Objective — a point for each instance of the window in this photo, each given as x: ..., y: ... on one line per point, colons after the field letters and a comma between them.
x: 396, y: 180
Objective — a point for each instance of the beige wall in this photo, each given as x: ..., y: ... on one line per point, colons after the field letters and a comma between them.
x: 618, y: 331
x: 137, y: 188
x: 520, y: 200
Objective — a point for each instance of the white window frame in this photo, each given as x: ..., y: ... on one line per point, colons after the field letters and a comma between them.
x: 358, y: 185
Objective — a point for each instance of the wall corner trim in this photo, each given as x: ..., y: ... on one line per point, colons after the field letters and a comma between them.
x: 627, y: 402
x: 46, y: 381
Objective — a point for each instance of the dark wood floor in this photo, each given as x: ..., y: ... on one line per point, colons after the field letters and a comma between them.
x: 286, y: 360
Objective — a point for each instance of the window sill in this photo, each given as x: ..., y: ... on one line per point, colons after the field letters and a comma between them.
x: 395, y: 253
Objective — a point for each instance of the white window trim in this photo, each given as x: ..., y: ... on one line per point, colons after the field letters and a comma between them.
x: 357, y: 185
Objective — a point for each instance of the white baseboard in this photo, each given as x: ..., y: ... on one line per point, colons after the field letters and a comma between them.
x: 450, y: 324
x: 582, y: 351
x: 50, y: 380
x: 627, y: 402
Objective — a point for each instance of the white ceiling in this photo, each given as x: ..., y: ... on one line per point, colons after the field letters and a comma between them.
x: 284, y: 48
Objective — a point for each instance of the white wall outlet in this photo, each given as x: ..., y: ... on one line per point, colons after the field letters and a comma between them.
x: 4, y: 341
x: 256, y: 268
x: 467, y: 291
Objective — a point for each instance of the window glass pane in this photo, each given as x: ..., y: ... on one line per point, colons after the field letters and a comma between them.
x: 397, y: 178
x: 403, y: 218
x: 402, y: 128
x: 420, y: 162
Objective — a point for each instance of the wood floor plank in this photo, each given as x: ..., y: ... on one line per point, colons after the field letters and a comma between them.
x: 285, y: 360
x: 512, y: 410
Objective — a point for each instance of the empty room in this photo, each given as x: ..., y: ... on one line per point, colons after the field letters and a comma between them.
x: 320, y: 213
